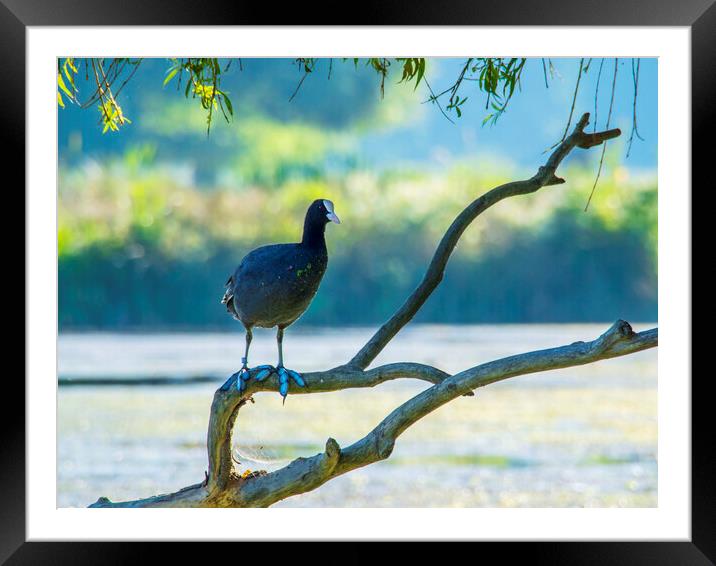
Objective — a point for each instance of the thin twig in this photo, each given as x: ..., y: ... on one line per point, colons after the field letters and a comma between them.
x: 383, y: 73
x: 100, y: 90
x: 604, y: 147
x: 596, y: 93
x: 306, y: 71
x: 634, y: 129
x: 574, y: 101
x: 434, y: 100
x: 129, y: 77
x: 298, y: 86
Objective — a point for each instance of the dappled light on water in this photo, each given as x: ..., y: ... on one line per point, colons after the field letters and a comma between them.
x: 583, y: 436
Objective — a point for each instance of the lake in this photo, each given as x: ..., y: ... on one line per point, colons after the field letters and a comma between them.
x: 133, y: 413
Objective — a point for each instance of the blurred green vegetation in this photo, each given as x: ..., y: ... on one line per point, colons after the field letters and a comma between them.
x: 141, y: 243
x: 255, y: 150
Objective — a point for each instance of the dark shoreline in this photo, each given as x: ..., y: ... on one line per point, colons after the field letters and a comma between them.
x: 73, y: 381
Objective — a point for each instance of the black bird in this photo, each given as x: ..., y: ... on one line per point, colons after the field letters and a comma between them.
x: 274, y: 285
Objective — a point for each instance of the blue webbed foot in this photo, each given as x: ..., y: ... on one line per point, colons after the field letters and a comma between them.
x: 262, y: 372
x: 284, y: 375
x: 242, y: 376
x: 259, y: 373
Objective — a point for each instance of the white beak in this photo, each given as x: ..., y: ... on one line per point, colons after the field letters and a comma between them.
x: 331, y: 215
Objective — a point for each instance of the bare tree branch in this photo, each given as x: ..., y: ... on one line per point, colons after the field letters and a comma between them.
x: 544, y: 177
x: 227, y: 489
x: 223, y: 487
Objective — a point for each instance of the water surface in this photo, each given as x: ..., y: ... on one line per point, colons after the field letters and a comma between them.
x: 582, y: 436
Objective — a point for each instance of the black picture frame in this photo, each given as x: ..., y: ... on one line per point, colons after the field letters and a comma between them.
x: 699, y: 15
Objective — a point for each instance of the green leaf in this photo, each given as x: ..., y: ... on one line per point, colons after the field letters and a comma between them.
x: 69, y: 77
x: 170, y: 75
x: 62, y: 85
x: 421, y: 72
x: 59, y: 100
x: 229, y: 106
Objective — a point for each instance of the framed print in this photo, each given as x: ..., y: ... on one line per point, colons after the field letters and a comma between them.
x: 398, y: 282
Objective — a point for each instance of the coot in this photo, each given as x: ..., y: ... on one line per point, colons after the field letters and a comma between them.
x: 274, y: 285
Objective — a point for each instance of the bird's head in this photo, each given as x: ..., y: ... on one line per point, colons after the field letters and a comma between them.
x: 322, y: 212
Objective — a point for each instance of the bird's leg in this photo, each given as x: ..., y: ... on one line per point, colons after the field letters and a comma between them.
x: 264, y: 371
x: 242, y: 376
x: 279, y: 341
x: 285, y: 374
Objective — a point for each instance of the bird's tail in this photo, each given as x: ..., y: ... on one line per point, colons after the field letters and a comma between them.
x: 228, y: 298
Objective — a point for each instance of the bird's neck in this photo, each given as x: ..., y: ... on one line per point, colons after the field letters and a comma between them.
x: 314, y: 235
